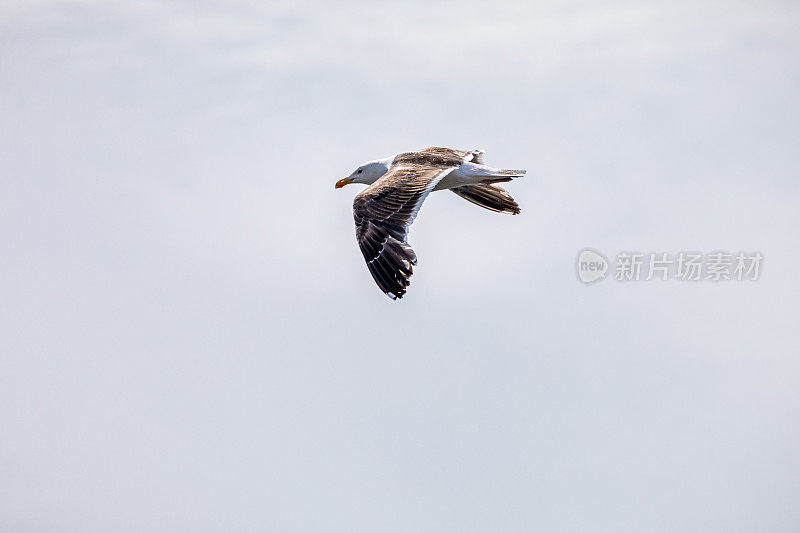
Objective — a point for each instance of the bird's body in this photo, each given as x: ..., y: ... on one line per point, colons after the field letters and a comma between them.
x: 398, y: 186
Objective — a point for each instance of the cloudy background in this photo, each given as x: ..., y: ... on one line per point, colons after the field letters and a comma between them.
x: 190, y: 341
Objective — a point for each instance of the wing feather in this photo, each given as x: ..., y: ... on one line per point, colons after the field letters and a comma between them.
x: 470, y: 156
x: 488, y: 196
x: 383, y: 213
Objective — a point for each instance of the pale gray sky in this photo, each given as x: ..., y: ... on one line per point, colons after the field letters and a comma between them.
x: 190, y: 340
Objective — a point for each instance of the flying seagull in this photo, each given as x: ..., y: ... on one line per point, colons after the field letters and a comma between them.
x: 398, y: 185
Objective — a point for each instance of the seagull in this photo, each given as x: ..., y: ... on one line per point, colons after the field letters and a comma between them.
x: 398, y: 185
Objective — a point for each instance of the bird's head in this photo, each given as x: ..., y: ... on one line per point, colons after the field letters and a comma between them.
x: 368, y: 173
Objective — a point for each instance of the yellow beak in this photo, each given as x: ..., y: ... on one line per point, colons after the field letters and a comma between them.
x: 342, y: 182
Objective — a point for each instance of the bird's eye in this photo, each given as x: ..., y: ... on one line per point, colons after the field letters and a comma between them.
x: 360, y: 170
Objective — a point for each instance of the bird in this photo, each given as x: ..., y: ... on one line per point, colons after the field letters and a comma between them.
x: 397, y: 187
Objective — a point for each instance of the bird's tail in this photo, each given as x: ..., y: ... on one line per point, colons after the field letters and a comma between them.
x: 516, y: 173
x: 490, y: 197
x: 486, y: 174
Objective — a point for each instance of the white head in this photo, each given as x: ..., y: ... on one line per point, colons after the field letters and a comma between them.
x: 368, y: 173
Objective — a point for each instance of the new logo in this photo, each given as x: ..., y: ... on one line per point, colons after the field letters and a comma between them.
x: 592, y: 266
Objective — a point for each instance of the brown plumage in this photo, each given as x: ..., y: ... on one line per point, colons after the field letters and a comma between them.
x: 383, y: 213
x: 488, y: 196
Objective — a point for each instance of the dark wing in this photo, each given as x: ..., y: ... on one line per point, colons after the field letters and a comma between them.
x: 488, y: 196
x: 383, y: 212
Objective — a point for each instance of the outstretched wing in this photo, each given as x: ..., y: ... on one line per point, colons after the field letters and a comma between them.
x: 383, y: 212
x: 470, y: 156
x: 488, y: 196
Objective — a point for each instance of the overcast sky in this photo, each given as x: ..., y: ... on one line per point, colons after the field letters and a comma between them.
x: 189, y: 337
